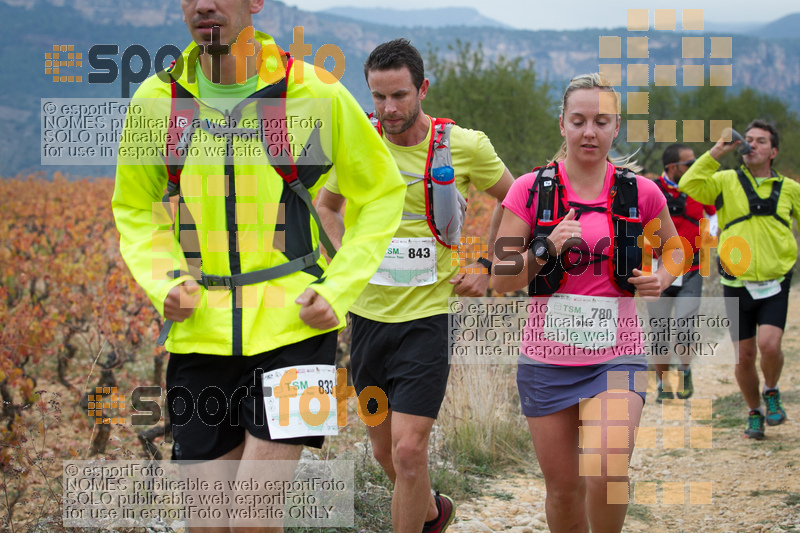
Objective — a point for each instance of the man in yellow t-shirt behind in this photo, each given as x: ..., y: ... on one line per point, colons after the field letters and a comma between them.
x: 399, y: 322
x: 756, y: 204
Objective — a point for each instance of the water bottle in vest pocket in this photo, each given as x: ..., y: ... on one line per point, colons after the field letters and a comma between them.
x: 449, y: 206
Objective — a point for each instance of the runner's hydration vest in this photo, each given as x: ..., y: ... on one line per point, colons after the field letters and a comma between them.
x: 184, y: 120
x: 624, y: 221
x: 676, y: 206
x: 445, y: 207
x: 757, y: 207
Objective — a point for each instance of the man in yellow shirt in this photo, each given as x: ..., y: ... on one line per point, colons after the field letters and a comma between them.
x: 400, y: 327
x: 756, y: 204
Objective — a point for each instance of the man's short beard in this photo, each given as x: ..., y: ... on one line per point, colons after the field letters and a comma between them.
x: 406, y: 124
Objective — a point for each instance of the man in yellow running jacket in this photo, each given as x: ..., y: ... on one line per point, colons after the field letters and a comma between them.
x: 756, y: 204
x: 245, y: 138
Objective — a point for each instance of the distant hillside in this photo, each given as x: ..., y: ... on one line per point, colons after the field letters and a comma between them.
x: 426, y: 18
x: 736, y: 28
x: 133, y: 13
x: 787, y: 27
x: 32, y: 27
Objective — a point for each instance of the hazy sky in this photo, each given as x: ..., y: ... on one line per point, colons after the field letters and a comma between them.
x: 575, y: 14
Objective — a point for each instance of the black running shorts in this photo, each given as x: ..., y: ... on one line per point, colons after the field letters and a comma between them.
x: 206, y: 381
x: 753, y: 313
x: 407, y: 360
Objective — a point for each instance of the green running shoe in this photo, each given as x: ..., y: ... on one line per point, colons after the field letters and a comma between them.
x: 755, y: 426
x: 688, y: 387
x: 662, y: 394
x: 775, y: 413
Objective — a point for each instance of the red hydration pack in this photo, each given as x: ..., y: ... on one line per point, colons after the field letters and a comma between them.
x: 445, y: 207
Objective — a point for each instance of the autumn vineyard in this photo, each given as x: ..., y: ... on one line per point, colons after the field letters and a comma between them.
x: 72, y: 319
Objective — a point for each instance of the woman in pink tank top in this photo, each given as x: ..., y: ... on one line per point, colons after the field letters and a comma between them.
x: 582, y: 374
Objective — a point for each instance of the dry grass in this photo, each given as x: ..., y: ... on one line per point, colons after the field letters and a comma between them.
x: 481, y: 424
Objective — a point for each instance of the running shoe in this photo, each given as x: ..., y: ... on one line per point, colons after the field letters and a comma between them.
x: 447, y: 512
x: 688, y: 387
x: 775, y: 413
x: 663, y: 394
x: 755, y: 426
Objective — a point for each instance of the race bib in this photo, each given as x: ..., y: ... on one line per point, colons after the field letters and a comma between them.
x: 300, y: 404
x: 763, y: 289
x: 582, y: 321
x: 408, y: 263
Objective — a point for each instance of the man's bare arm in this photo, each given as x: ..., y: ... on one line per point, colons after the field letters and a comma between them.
x: 329, y: 207
x: 476, y: 284
x: 498, y: 191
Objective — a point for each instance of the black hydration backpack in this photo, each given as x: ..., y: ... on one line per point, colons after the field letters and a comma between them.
x: 624, y: 222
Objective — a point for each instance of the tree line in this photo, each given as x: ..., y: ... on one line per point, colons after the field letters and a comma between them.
x: 518, y: 110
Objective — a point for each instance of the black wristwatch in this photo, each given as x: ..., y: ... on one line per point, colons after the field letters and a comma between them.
x: 485, y: 262
x: 540, y: 249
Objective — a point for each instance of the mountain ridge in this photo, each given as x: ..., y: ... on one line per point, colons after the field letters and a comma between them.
x: 431, y: 17
x: 787, y: 27
x: 770, y: 65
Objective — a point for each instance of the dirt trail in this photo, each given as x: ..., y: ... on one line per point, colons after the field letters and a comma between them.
x: 755, y: 486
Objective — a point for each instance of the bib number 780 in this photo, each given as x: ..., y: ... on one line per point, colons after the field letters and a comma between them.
x: 602, y: 314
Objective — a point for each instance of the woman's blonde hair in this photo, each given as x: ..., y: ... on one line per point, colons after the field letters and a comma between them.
x: 591, y: 81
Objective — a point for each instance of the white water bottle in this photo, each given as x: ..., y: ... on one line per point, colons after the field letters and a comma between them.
x: 448, y: 205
